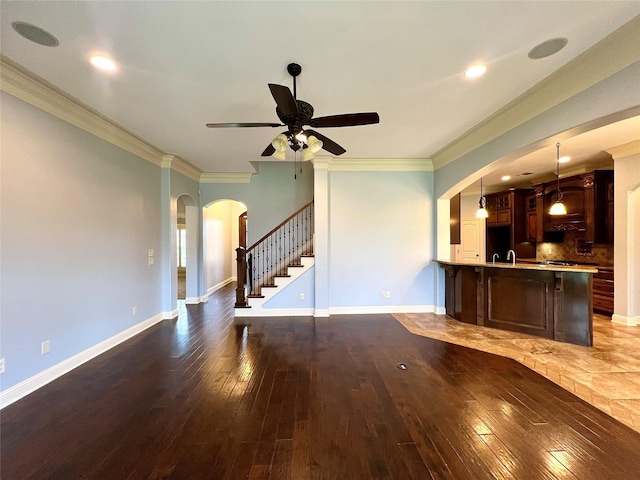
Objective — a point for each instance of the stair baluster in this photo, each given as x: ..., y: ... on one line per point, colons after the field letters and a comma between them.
x: 273, y: 254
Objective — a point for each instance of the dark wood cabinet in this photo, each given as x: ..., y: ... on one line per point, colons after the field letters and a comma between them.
x: 555, y: 304
x: 603, y: 291
x: 499, y: 206
x: 532, y: 218
x: 508, y: 225
x: 588, y: 199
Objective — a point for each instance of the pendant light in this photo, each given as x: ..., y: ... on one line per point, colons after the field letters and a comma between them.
x: 482, y: 204
x: 558, y: 208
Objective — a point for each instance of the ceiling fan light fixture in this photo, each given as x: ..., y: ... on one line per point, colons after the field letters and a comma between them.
x: 279, y: 154
x: 314, y: 144
x: 295, y: 114
x: 307, y: 154
x: 280, y: 143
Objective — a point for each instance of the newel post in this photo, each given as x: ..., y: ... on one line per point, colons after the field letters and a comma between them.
x: 241, y: 262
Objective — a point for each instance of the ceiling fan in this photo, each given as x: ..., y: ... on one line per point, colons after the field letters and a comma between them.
x: 295, y: 115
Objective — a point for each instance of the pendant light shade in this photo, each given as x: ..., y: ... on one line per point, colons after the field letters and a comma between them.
x: 313, y: 146
x: 280, y: 145
x: 558, y: 207
x: 482, y: 204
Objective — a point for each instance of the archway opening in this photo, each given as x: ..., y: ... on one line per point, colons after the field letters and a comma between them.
x: 224, y: 223
x: 186, y: 249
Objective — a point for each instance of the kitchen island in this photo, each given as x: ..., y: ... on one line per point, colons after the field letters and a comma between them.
x: 549, y: 301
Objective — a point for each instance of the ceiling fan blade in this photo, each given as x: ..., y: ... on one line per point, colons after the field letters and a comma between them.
x: 345, y: 120
x: 233, y: 125
x: 284, y: 99
x: 268, y: 151
x: 327, y: 144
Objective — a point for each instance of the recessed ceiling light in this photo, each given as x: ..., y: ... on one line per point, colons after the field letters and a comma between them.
x: 504, y: 178
x: 475, y: 71
x: 564, y: 159
x: 35, y: 34
x: 103, y: 63
x: 547, y: 48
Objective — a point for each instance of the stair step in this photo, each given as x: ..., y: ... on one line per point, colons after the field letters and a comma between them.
x: 255, y: 296
x: 308, y: 255
x: 282, y: 275
x: 295, y: 265
x: 270, y: 285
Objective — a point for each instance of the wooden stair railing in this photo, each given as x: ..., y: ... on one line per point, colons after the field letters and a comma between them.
x: 272, y: 255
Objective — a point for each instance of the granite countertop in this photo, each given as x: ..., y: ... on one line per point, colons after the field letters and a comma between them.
x: 527, y: 266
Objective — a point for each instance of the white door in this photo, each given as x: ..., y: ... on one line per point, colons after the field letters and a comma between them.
x: 472, y: 238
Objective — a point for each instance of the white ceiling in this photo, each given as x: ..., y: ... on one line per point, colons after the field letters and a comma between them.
x: 184, y: 64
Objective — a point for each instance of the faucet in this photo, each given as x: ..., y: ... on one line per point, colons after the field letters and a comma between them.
x: 509, y: 257
x: 495, y: 256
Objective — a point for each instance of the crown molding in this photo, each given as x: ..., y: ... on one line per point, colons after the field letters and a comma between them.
x: 228, y: 177
x: 373, y: 164
x: 606, y: 58
x: 28, y: 87
x: 179, y: 165
x: 381, y: 165
x: 626, y: 150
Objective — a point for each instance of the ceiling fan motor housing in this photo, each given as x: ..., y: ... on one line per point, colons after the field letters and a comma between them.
x: 296, y: 122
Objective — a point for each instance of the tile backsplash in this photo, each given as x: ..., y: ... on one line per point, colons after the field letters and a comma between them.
x: 601, y: 254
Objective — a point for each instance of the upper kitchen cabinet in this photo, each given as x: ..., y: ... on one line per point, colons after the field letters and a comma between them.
x: 589, y: 201
x: 507, y: 225
x: 500, y: 208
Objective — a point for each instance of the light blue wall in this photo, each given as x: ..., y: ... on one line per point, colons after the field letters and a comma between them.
x: 615, y: 94
x: 78, y: 216
x: 289, y: 297
x: 271, y: 197
x: 381, y: 238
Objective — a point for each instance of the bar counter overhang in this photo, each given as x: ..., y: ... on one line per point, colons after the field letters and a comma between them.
x: 549, y: 301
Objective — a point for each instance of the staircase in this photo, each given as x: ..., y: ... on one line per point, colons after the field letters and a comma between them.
x: 274, y: 261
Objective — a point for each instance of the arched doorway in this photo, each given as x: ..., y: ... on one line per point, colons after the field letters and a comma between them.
x: 186, y: 252
x: 223, y: 222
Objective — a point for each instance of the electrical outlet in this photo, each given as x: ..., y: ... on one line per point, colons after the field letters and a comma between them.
x: 387, y: 294
x: 302, y: 296
x: 135, y: 310
x: 45, y: 347
x: 382, y: 294
x: 1, y: 365
x: 150, y: 260
x: 151, y: 252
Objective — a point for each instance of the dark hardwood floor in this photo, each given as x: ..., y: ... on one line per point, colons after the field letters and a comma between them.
x: 204, y: 397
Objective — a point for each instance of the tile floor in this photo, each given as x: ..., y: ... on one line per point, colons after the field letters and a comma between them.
x: 606, y: 375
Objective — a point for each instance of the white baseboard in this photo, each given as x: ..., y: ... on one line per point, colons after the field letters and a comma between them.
x: 326, y: 312
x: 275, y: 312
x: 224, y: 283
x: 624, y: 320
x: 170, y: 315
x: 382, y: 309
x: 210, y: 291
x: 24, y: 388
